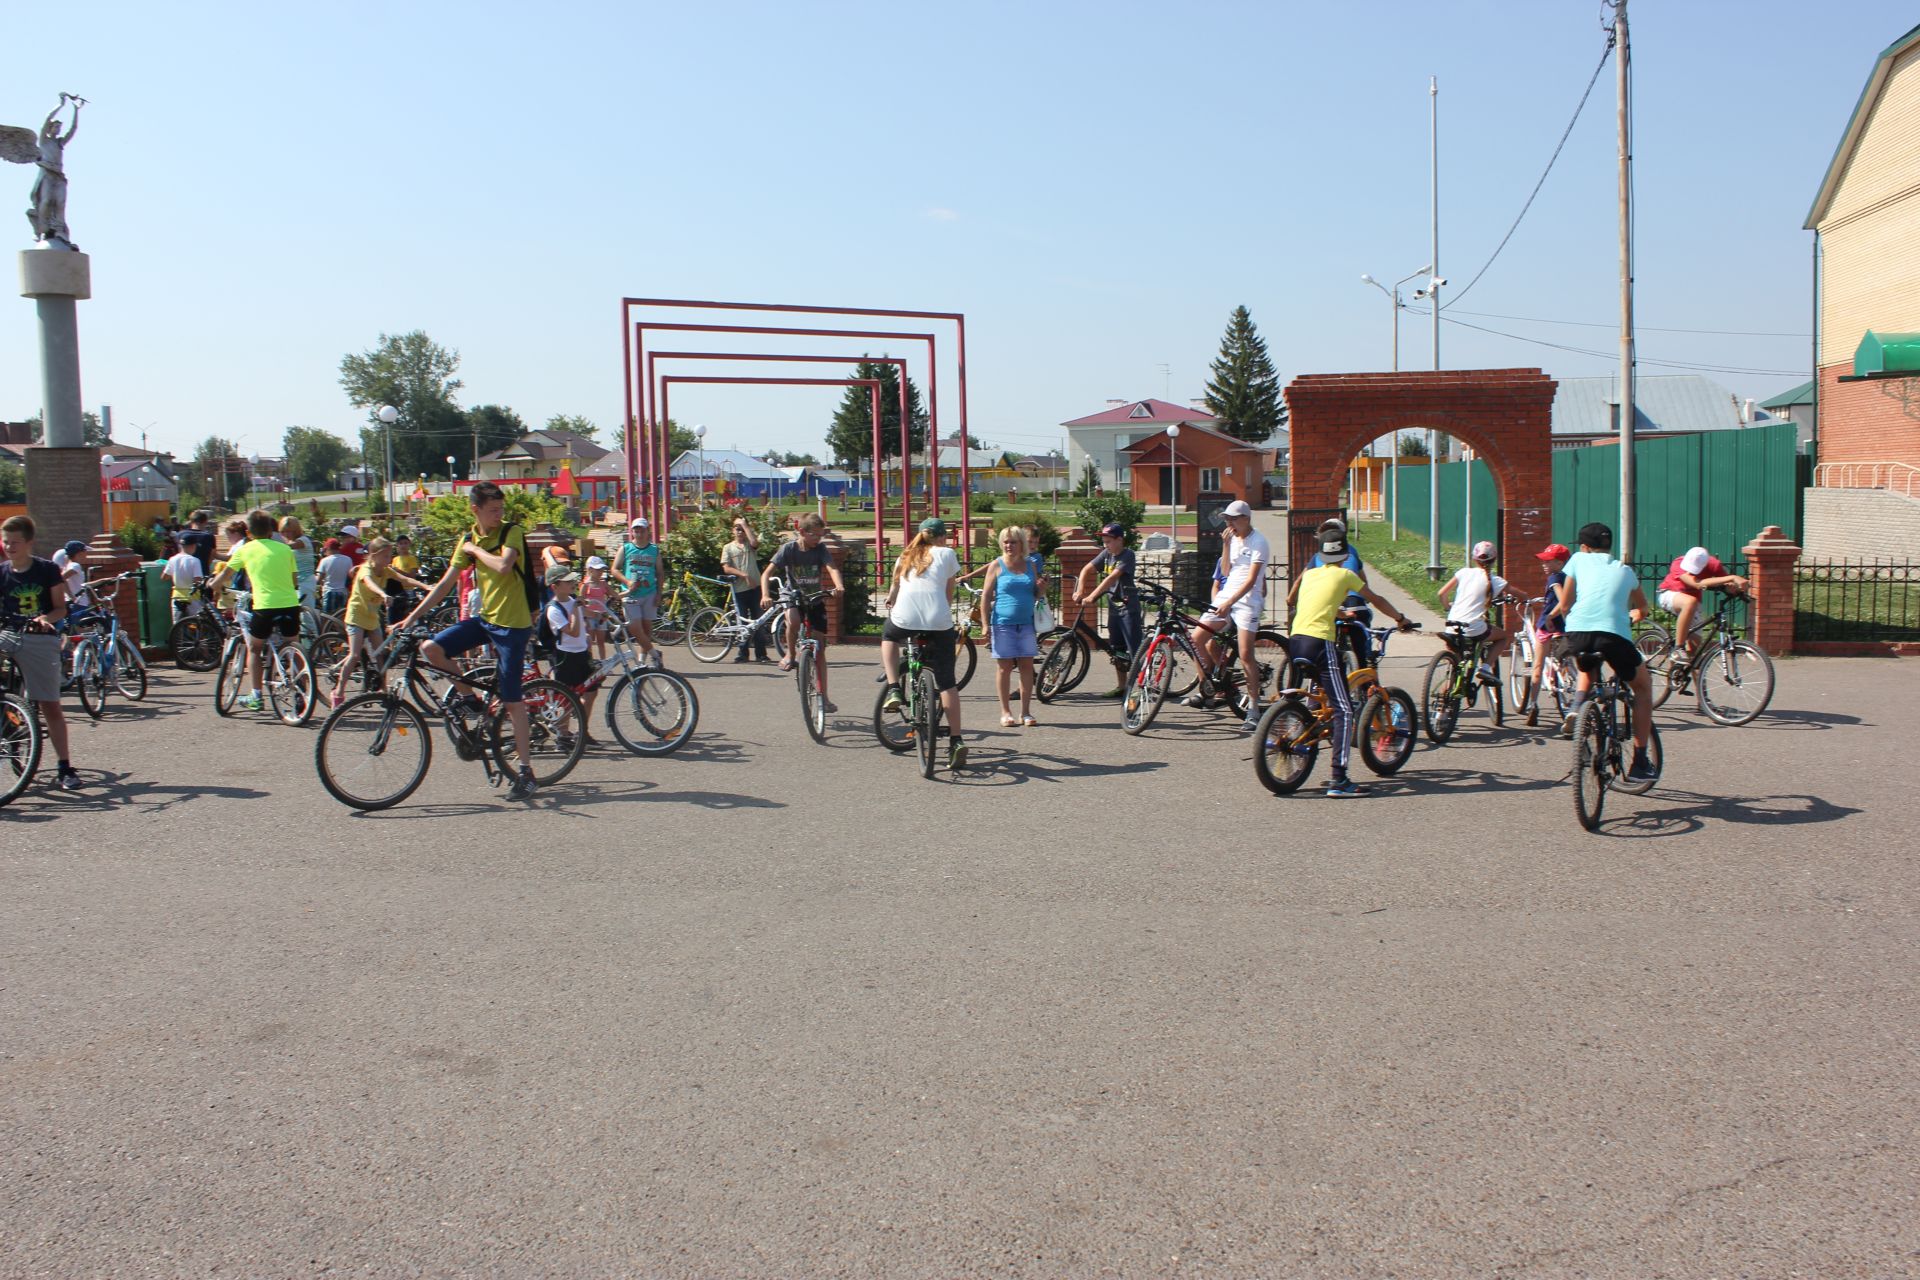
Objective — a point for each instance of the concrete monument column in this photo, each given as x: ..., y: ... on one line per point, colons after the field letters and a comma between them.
x: 63, y: 475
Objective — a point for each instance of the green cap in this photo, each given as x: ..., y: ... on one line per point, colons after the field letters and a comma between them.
x: 934, y: 527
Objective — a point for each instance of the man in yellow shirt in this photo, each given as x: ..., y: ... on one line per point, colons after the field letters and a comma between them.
x: 1317, y: 598
x: 497, y: 551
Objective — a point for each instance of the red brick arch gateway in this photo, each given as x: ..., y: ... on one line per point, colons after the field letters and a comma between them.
x: 1506, y: 415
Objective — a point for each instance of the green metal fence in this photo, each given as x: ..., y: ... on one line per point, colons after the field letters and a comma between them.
x: 1712, y: 489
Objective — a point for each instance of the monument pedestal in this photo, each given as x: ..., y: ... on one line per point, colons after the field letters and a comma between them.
x: 63, y: 477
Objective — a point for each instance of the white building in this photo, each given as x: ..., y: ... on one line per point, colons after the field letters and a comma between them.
x: 1100, y: 437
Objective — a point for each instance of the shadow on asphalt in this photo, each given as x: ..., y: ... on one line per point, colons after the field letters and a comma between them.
x: 995, y: 767
x: 109, y: 792
x: 1785, y: 810
x: 1416, y: 781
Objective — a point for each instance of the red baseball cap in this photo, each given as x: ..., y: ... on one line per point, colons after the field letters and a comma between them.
x: 1554, y: 551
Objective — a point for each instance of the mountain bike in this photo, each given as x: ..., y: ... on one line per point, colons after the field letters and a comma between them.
x: 691, y: 594
x: 1291, y: 730
x: 714, y: 630
x: 287, y: 675
x: 1168, y: 640
x: 806, y: 666
x: 1601, y: 745
x: 1731, y: 677
x: 20, y: 735
x: 199, y: 639
x: 1070, y: 656
x: 1454, y: 681
x: 373, y: 750
x: 915, y: 722
x: 99, y: 654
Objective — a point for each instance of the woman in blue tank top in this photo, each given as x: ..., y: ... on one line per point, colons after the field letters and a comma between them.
x: 1013, y: 584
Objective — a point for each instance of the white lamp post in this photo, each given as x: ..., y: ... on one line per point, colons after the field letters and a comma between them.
x: 253, y: 478
x: 450, y: 476
x: 106, y: 491
x: 1173, y: 454
x: 388, y: 415
x: 700, y: 481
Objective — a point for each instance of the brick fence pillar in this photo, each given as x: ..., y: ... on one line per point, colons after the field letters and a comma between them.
x: 836, y: 624
x: 1076, y: 552
x: 1770, y: 560
x: 107, y: 557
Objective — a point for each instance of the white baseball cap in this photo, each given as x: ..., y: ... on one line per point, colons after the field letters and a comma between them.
x: 1237, y: 508
x: 639, y: 522
x: 1484, y: 551
x: 1695, y: 560
x: 595, y: 562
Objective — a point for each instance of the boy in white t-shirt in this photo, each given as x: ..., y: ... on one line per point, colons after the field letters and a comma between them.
x: 1478, y: 587
x: 1239, y: 602
x: 183, y: 571
x: 567, y: 618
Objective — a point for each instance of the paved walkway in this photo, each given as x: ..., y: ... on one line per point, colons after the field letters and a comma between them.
x: 1274, y: 524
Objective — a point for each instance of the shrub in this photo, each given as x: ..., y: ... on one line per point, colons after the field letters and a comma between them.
x: 1096, y: 513
x: 983, y: 504
x: 1045, y: 537
x: 141, y: 540
x: 695, y: 541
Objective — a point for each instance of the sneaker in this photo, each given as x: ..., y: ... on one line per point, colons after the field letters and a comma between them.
x: 1198, y: 700
x: 892, y: 701
x: 1251, y: 723
x: 1642, y: 769
x: 69, y: 778
x: 957, y: 756
x: 251, y: 702
x: 1343, y: 789
x: 1114, y: 693
x: 1486, y: 673
x: 1572, y: 717
x: 827, y: 707
x: 523, y: 786
x: 468, y: 705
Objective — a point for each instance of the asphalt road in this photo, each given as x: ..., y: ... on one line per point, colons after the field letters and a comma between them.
x: 1099, y: 1006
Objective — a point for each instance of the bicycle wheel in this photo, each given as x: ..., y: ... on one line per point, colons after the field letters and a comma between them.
x: 329, y: 652
x: 652, y: 712
x: 290, y: 684
x: 966, y: 657
x: 1056, y: 671
x: 1148, y: 683
x: 1285, y: 746
x: 1183, y: 674
x: 926, y: 722
x: 1082, y: 662
x: 1270, y: 656
x: 1520, y: 673
x: 1388, y: 727
x: 1438, y: 705
x: 1496, y: 702
x: 556, y: 733
x: 1655, y: 644
x: 670, y: 628
x: 129, y: 669
x: 372, y: 751
x: 893, y: 727
x: 20, y: 744
x: 705, y: 636
x: 233, y: 674
x: 1620, y: 783
x: 195, y: 643
x: 90, y: 678
x: 813, y: 705
x: 1590, y: 767
x: 1733, y: 682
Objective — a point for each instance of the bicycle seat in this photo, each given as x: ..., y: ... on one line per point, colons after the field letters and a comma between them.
x: 1301, y: 672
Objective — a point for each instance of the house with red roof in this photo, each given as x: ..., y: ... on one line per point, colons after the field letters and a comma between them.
x: 1205, y: 460
x: 1102, y: 439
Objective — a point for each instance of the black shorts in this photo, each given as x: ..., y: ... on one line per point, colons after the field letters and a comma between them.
x: 573, y: 669
x: 262, y: 623
x: 937, y: 651
x: 1617, y: 651
x: 817, y: 619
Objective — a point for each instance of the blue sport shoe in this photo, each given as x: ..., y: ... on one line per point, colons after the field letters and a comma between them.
x: 1344, y: 789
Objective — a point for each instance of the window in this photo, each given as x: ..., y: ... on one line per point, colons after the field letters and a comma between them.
x: 1209, y: 478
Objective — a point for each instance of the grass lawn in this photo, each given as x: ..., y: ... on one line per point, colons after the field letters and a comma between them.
x: 1405, y: 561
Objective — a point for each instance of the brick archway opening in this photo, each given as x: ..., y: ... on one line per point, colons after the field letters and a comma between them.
x: 1506, y: 415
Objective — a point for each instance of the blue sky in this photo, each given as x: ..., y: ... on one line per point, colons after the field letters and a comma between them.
x: 264, y: 188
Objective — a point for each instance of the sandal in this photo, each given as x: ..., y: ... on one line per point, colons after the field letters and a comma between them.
x: 1028, y: 722
x: 1008, y: 722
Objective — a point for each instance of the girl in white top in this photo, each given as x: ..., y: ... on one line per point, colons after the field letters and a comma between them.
x: 920, y: 603
x: 1478, y: 586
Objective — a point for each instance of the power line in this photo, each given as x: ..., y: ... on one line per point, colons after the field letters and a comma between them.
x: 1608, y: 355
x: 1614, y: 324
x: 1598, y: 68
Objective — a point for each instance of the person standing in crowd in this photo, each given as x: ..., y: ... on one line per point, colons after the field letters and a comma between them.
x: 1116, y: 561
x: 332, y: 574
x: 33, y: 601
x: 1008, y: 598
x: 637, y: 570
x: 740, y: 566
x: 198, y: 541
x: 350, y: 546
x: 305, y: 563
x: 594, y: 594
x: 566, y: 617
x: 183, y: 571
x: 74, y: 574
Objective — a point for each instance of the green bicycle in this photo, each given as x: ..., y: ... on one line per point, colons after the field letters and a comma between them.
x: 915, y: 722
x: 1455, y: 679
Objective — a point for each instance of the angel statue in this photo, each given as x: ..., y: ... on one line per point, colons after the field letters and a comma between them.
x: 46, y: 149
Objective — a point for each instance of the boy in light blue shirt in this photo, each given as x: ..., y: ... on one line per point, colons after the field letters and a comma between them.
x: 1600, y: 600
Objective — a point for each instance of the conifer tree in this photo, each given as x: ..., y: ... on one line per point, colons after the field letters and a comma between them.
x: 1244, y: 392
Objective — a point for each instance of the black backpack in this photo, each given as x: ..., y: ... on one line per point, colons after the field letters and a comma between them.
x: 523, y: 565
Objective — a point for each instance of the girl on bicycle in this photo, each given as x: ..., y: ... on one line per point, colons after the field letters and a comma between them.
x: 1478, y: 586
x: 1550, y: 625
x: 920, y: 604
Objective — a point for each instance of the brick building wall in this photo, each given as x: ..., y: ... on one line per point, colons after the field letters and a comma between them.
x: 1867, y: 421
x: 1861, y: 524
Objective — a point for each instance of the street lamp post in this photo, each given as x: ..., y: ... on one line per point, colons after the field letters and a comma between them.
x: 106, y: 492
x: 253, y: 479
x: 1393, y: 298
x: 700, y: 480
x: 450, y: 476
x: 388, y: 415
x: 1173, y: 469
x: 1430, y: 293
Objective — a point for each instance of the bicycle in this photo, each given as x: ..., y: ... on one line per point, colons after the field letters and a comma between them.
x: 1556, y: 672
x: 1151, y: 675
x: 1731, y: 677
x: 678, y: 607
x: 714, y: 630
x: 806, y: 666
x: 374, y: 749
x: 287, y: 677
x: 915, y: 722
x: 1454, y: 680
x: 1600, y: 748
x: 1394, y: 731
x: 1070, y: 656
x: 199, y: 639
x: 21, y: 740
x: 1287, y: 741
x: 100, y: 654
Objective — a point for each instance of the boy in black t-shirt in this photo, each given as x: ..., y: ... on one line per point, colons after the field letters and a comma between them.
x: 1116, y: 562
x: 33, y: 600
x: 804, y: 565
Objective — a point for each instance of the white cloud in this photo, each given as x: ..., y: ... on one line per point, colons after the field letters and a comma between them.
x: 936, y: 213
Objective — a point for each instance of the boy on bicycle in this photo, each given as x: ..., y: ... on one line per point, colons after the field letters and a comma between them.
x: 33, y: 601
x: 1319, y: 596
x: 1242, y: 573
x: 1601, y: 600
x: 274, y: 587
x: 1549, y: 626
x: 803, y: 564
x: 1687, y: 578
x: 1116, y: 560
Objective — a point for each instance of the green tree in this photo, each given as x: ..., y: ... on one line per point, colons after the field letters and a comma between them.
x: 314, y: 456
x: 574, y: 423
x: 1413, y: 446
x: 850, y: 437
x: 780, y: 459
x: 93, y: 433
x: 1096, y: 514
x: 1244, y: 392
x: 414, y: 374
x: 680, y: 440
x: 1089, y: 480
x: 13, y: 482
x: 219, y: 471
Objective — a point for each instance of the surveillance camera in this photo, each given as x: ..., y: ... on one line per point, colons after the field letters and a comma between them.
x: 1437, y: 282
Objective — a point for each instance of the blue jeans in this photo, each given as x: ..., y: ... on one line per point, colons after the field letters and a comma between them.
x: 1123, y: 629
x: 509, y: 651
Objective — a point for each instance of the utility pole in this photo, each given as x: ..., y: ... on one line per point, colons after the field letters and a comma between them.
x: 1434, y: 571
x: 1624, y: 543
